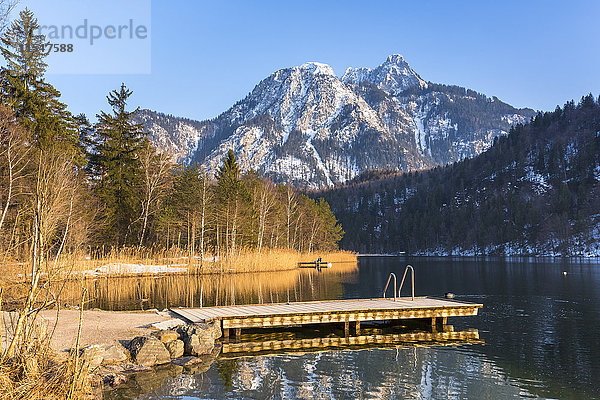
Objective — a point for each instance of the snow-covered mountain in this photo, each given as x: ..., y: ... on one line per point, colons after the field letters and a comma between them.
x: 306, y: 126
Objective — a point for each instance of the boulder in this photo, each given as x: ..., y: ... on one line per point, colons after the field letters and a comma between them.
x: 168, y: 324
x: 194, y: 345
x: 115, y: 354
x: 166, y: 336
x: 175, y: 348
x: 148, y: 351
x: 211, y: 330
x: 93, y: 355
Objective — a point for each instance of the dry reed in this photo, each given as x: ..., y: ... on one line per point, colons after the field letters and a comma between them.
x: 35, y: 371
x: 119, y: 262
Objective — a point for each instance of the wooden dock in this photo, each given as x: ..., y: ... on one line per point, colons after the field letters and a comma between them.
x: 330, y: 311
x: 315, y: 264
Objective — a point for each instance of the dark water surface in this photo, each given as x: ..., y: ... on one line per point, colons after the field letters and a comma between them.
x: 540, y: 328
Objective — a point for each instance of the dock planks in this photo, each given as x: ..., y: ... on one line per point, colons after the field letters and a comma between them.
x: 329, y: 311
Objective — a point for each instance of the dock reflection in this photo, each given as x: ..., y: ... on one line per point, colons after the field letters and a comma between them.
x: 285, y: 343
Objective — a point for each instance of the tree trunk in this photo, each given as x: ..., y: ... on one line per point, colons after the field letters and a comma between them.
x: 202, y: 220
x: 10, y: 187
x: 234, y: 226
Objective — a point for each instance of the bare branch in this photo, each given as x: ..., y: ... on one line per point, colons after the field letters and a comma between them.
x: 6, y: 6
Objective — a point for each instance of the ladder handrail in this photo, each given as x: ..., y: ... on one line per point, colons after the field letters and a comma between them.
x: 412, y: 275
x: 388, y: 284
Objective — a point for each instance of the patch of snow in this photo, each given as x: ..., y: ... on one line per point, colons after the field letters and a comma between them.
x: 539, y: 182
x: 135, y: 269
x: 317, y: 157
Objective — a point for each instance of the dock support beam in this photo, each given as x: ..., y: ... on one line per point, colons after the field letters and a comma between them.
x: 346, y: 328
x: 357, y: 328
x: 238, y: 333
x: 226, y: 333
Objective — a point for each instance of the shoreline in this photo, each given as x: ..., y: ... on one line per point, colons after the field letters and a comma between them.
x: 116, y: 346
x: 98, y: 327
x: 534, y: 256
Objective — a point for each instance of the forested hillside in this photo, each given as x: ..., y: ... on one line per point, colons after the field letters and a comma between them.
x: 534, y: 191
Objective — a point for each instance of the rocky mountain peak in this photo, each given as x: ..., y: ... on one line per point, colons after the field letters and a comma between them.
x: 395, y: 59
x: 317, y: 68
x: 393, y: 76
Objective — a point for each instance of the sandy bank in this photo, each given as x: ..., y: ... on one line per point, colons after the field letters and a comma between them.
x: 99, y: 327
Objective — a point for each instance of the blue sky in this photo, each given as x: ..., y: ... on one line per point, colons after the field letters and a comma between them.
x: 207, y: 55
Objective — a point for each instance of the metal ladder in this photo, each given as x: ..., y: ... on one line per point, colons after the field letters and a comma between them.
x: 393, y: 275
x: 412, y: 276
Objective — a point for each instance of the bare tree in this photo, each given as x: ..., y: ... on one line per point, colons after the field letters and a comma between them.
x: 264, y: 203
x: 54, y: 189
x: 156, y: 167
x: 13, y: 158
x: 205, y: 198
x: 291, y: 202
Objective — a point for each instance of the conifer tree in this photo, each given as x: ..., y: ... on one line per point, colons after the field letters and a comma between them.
x: 228, y: 173
x: 231, y: 198
x: 35, y: 102
x: 117, y: 160
x: 23, y: 49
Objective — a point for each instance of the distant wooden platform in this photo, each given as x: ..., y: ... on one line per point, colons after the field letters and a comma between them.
x: 329, y: 311
x: 320, y: 344
x: 314, y: 264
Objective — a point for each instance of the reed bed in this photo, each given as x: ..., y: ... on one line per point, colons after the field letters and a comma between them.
x: 274, y: 260
x: 35, y: 371
x: 151, y: 262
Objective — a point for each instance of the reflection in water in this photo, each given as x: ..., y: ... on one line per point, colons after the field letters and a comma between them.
x: 236, y: 368
x: 285, y: 342
x: 402, y: 373
x: 135, y: 293
x: 540, y: 329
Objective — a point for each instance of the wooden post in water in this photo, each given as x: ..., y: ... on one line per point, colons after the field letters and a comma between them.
x: 357, y: 328
x: 346, y: 328
x: 238, y: 333
x: 225, y: 331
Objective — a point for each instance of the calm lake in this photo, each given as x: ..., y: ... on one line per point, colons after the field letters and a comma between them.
x: 539, y: 333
